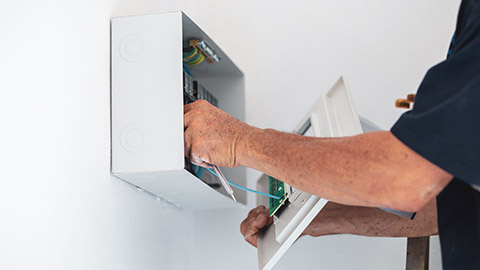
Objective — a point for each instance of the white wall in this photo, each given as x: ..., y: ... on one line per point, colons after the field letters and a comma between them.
x: 60, y: 208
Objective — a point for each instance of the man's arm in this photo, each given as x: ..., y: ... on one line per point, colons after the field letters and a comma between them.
x: 343, y: 219
x: 368, y: 221
x: 371, y: 169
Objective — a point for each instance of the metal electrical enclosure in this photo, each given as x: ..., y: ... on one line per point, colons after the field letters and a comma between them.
x: 147, y: 144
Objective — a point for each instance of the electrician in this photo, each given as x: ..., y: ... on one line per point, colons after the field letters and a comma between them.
x: 429, y: 162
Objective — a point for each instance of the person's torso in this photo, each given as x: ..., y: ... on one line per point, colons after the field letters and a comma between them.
x: 459, y: 203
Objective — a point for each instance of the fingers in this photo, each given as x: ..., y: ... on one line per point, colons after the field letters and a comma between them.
x: 199, y: 162
x: 188, y: 118
x: 201, y: 133
x: 199, y: 103
x: 187, y: 108
x: 194, y: 157
x: 255, y: 211
x: 190, y: 106
x: 246, y: 222
x: 257, y: 219
x: 252, y: 238
x: 187, y: 142
x: 192, y: 110
x: 255, y: 226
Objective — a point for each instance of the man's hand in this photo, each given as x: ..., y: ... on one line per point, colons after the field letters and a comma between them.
x: 257, y: 219
x: 212, y: 135
x: 344, y: 219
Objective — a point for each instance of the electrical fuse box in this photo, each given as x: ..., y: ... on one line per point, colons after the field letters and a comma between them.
x: 147, y: 97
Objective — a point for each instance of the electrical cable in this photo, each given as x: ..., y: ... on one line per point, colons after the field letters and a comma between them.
x: 200, y: 171
x: 197, y: 170
x: 190, y: 54
x: 247, y: 189
x: 186, y: 68
x: 197, y: 60
x: 194, y: 57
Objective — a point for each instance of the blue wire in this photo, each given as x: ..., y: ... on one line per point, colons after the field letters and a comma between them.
x: 247, y: 189
x: 187, y: 69
x: 197, y: 170
x: 200, y: 171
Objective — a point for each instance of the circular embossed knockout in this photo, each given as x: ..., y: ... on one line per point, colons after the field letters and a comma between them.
x: 132, y: 138
x: 131, y: 48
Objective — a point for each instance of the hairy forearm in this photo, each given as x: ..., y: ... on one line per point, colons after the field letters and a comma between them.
x: 372, y: 169
x: 367, y: 221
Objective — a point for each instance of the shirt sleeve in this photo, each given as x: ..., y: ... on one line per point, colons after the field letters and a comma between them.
x: 444, y: 125
x: 448, y: 134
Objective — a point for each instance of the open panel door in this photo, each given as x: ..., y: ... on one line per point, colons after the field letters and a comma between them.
x: 333, y: 115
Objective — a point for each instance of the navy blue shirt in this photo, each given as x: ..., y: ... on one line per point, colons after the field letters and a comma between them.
x: 444, y: 127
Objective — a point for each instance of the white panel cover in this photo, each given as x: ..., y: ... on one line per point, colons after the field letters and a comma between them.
x: 333, y: 115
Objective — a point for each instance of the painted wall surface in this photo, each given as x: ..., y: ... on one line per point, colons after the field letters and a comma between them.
x: 59, y: 206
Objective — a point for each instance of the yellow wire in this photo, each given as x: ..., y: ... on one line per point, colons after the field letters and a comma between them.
x: 193, y: 54
x: 198, y: 61
x: 201, y: 60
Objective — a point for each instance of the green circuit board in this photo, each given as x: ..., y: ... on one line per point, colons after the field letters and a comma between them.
x: 276, y: 188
